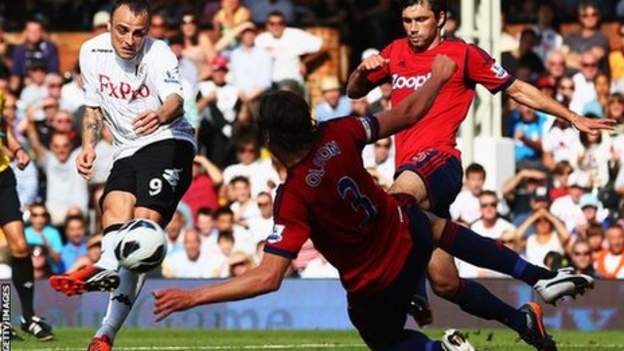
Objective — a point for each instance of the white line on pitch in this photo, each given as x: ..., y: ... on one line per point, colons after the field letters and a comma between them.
x: 215, y: 347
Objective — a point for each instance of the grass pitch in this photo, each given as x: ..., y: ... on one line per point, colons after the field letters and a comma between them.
x: 69, y: 339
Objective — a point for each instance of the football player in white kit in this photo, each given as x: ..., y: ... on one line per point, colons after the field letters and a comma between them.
x: 132, y: 83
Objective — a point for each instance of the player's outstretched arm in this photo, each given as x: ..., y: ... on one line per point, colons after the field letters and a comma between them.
x: 530, y: 96
x: 92, y: 125
x: 416, y: 105
x: 263, y: 279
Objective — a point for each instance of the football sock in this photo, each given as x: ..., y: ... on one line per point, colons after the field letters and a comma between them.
x: 111, y: 238
x: 416, y: 341
x: 484, y: 252
x: 23, y: 281
x: 471, y: 296
x: 121, y: 301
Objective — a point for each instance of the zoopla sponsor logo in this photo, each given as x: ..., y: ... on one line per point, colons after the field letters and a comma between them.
x: 415, y: 82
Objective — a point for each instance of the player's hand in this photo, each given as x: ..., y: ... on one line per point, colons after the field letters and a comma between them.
x: 146, y: 122
x: 592, y: 126
x: 167, y: 301
x: 443, y: 67
x: 85, y: 162
x: 22, y: 158
x: 372, y: 63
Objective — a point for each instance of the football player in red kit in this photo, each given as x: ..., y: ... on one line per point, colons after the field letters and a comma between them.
x: 428, y: 148
x: 379, y: 243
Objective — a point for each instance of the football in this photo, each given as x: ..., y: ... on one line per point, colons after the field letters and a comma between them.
x: 142, y: 246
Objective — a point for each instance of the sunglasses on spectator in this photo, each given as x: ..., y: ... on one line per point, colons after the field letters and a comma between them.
x: 250, y: 150
x: 589, y: 14
x: 488, y: 204
x: 387, y: 146
x: 589, y: 64
x: 567, y: 87
x: 38, y: 214
x: 583, y: 253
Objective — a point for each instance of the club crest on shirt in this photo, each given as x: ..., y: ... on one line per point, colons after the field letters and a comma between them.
x: 499, y: 71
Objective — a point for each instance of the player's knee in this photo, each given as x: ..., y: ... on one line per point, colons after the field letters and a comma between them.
x: 444, y: 286
x: 19, y: 247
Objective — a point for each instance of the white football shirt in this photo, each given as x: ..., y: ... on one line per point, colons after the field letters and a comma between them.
x: 124, y: 88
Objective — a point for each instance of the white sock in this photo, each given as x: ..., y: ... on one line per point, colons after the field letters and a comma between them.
x: 121, y: 301
x: 107, y: 258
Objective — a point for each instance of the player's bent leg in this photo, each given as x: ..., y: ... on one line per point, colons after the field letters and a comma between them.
x: 411, y: 184
x: 484, y: 252
x: 443, y: 274
x: 118, y: 208
x: 23, y: 280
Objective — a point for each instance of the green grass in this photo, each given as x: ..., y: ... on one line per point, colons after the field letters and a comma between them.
x: 185, y: 339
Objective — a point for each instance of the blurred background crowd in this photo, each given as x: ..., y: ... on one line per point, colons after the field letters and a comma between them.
x: 563, y: 207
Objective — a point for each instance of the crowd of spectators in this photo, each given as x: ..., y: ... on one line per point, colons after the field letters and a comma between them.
x: 562, y: 207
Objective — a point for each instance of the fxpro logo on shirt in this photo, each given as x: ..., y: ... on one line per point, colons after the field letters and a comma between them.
x: 415, y: 82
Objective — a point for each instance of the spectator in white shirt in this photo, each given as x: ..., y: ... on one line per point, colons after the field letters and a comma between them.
x: 465, y: 208
x: 286, y: 46
x: 261, y: 173
x: 568, y: 208
x: 244, y: 207
x: 204, y: 223
x: 71, y: 93
x: 490, y: 224
x: 251, y: 67
x: 224, y: 222
x: 65, y: 187
x: 382, y: 160
x: 190, y: 262
x: 261, y: 226
x: 560, y: 143
x: 585, y: 90
x: 544, y: 240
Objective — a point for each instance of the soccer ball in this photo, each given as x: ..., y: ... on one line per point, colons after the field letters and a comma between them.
x: 142, y: 246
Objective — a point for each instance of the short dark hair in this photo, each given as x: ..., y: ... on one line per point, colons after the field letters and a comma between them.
x: 223, y: 210
x: 137, y: 7
x: 276, y: 13
x: 285, y: 122
x: 436, y: 6
x: 71, y: 218
x: 226, y: 235
x: 589, y: 3
x: 204, y: 211
x: 241, y: 179
x: 488, y: 193
x: 475, y: 168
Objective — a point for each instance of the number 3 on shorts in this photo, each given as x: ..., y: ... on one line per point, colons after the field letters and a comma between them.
x: 155, y: 186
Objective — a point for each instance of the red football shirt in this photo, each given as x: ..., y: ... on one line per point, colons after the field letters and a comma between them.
x: 330, y: 198
x: 408, y: 70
